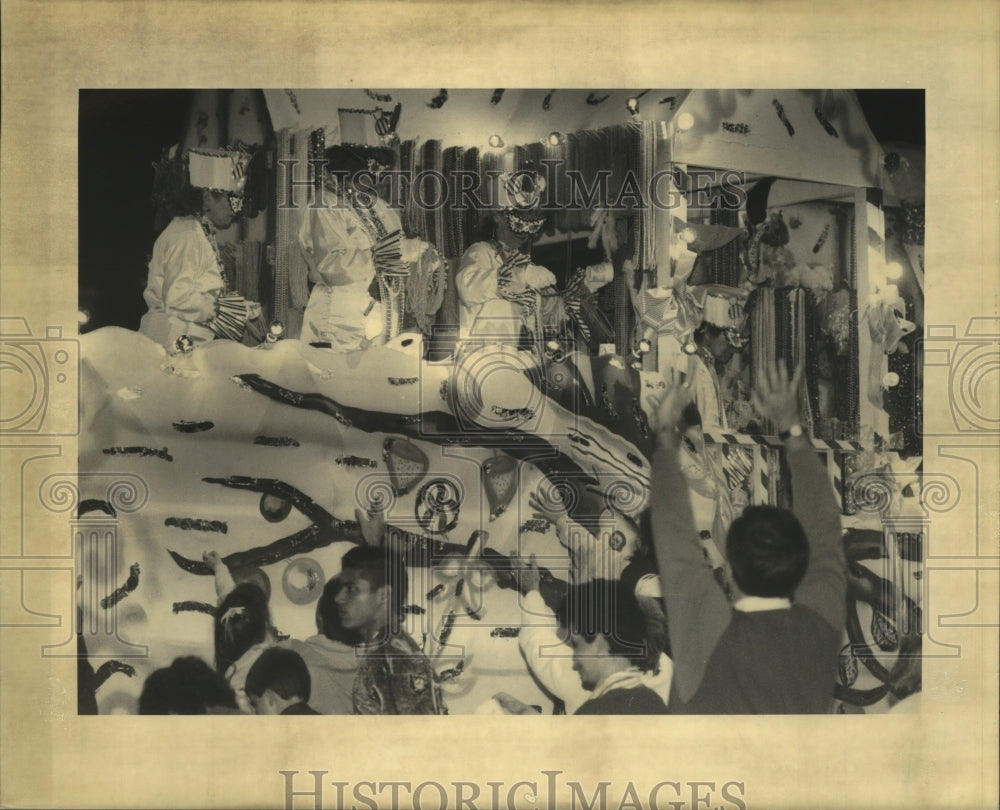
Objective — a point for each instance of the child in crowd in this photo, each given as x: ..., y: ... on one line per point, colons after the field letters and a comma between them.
x: 611, y: 650
x: 330, y: 655
x: 279, y: 683
x: 187, y: 686
x: 546, y: 649
x: 243, y: 627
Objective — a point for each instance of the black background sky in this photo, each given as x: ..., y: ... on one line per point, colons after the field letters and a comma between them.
x: 122, y: 133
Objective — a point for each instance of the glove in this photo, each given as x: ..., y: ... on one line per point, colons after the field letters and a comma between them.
x: 537, y: 278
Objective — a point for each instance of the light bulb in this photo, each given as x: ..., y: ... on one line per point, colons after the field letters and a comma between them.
x: 890, y: 379
x: 893, y: 271
x: 685, y: 121
x: 496, y: 141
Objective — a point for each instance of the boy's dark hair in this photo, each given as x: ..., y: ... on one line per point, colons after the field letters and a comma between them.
x: 241, y: 620
x: 329, y: 615
x: 380, y: 566
x: 187, y: 686
x: 283, y: 672
x: 768, y: 551
x: 602, y: 607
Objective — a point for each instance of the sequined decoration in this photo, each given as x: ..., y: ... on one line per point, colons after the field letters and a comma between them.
x: 197, y: 524
x: 830, y: 129
x: 294, y: 100
x: 780, y: 109
x: 439, y: 100
x: 355, y: 462
x: 144, y: 452
x: 118, y: 594
x: 194, y: 607
x: 847, y: 667
x: 276, y: 441
x: 192, y: 427
x: 822, y: 238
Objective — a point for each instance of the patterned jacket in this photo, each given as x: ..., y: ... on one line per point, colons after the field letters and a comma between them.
x: 395, y: 677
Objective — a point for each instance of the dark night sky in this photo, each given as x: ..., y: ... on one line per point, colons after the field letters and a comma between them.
x: 122, y: 133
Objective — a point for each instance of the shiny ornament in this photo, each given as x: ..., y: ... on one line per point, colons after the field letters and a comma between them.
x: 303, y: 581
x: 407, y: 464
x: 499, y: 479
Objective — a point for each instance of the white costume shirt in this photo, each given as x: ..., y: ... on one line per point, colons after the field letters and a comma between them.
x: 482, y: 312
x: 338, y: 249
x: 183, y: 284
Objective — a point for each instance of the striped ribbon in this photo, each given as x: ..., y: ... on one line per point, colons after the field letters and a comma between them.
x: 756, y: 439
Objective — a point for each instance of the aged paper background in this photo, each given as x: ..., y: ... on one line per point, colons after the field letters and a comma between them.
x: 944, y: 757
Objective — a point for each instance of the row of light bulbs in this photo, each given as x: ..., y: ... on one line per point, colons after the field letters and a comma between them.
x: 683, y: 123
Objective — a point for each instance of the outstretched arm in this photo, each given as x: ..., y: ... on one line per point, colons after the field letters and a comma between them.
x: 697, y: 609
x: 547, y: 655
x: 824, y: 587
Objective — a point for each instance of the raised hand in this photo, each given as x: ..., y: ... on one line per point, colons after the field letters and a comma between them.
x: 212, y: 559
x: 776, y: 395
x: 667, y: 413
x: 528, y: 577
x: 372, y: 524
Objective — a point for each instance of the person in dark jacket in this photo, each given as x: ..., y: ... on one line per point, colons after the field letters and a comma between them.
x: 774, y: 649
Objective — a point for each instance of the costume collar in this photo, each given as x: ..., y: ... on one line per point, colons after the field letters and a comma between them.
x: 623, y: 679
x: 757, y: 604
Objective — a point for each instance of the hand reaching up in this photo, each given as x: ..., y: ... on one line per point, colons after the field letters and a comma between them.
x: 668, y: 411
x: 212, y: 559
x: 526, y: 572
x: 372, y: 524
x: 776, y: 396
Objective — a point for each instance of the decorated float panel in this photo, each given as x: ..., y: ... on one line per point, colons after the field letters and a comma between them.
x: 264, y: 455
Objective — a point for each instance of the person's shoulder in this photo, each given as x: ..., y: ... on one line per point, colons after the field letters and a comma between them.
x: 634, y: 700
x: 808, y: 616
x: 183, y: 225
x: 402, y: 644
x: 300, y: 708
x: 478, y: 250
x: 180, y: 229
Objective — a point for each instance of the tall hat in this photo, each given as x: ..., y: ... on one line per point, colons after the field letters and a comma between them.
x: 724, y: 308
x: 222, y: 170
x: 519, y: 196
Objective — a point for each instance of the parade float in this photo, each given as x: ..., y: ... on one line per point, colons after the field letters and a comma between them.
x: 774, y: 215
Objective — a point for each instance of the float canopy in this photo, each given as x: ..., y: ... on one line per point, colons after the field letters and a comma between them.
x: 826, y: 138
